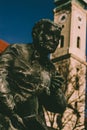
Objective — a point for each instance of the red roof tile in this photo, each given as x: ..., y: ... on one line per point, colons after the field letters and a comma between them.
x: 3, y: 45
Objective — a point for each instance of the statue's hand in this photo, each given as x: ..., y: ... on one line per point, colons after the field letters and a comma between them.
x: 44, y: 83
x: 57, y: 81
x: 17, y: 122
x: 42, y: 88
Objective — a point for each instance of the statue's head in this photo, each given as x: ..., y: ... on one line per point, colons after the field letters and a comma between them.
x: 46, y: 35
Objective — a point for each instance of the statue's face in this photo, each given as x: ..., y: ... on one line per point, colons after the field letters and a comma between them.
x: 49, y: 39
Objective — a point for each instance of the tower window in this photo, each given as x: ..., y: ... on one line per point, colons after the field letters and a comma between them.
x: 78, y: 42
x: 79, y: 18
x: 62, y: 26
x: 61, y: 42
x: 77, y: 70
x: 78, y: 27
x: 77, y: 82
x: 77, y: 79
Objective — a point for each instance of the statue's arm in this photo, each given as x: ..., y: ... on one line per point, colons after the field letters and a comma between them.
x: 6, y: 97
x: 56, y: 101
x: 7, y: 103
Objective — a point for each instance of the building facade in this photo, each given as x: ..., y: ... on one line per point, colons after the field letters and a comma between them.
x: 70, y: 60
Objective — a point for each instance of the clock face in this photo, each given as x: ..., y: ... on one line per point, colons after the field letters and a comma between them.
x: 62, y: 18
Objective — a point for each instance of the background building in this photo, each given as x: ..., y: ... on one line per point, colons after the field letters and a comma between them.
x: 70, y: 60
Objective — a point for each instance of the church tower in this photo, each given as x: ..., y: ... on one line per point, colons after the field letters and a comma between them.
x: 70, y: 59
x: 71, y: 15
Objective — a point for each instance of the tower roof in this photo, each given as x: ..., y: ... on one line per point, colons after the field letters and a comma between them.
x: 62, y: 2
x: 85, y: 1
x: 3, y: 45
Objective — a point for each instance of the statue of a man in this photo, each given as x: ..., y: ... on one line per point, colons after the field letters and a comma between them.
x: 28, y: 80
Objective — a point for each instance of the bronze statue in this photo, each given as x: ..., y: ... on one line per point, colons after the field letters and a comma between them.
x: 29, y: 80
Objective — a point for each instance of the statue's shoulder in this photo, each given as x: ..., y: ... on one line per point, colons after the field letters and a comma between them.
x: 20, y: 48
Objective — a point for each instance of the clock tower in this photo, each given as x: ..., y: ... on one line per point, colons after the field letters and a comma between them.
x: 70, y: 59
x: 72, y: 16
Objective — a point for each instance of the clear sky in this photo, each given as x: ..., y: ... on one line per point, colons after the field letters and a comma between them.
x: 17, y: 18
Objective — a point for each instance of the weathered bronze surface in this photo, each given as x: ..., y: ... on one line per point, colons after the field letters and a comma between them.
x: 29, y: 80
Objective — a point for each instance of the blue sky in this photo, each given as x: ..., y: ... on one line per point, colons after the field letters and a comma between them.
x: 17, y: 18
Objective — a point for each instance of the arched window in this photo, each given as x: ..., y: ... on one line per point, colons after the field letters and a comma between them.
x: 78, y: 42
x: 77, y: 79
x: 61, y: 42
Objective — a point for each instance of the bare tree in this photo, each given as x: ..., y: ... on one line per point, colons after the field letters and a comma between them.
x: 74, y: 88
